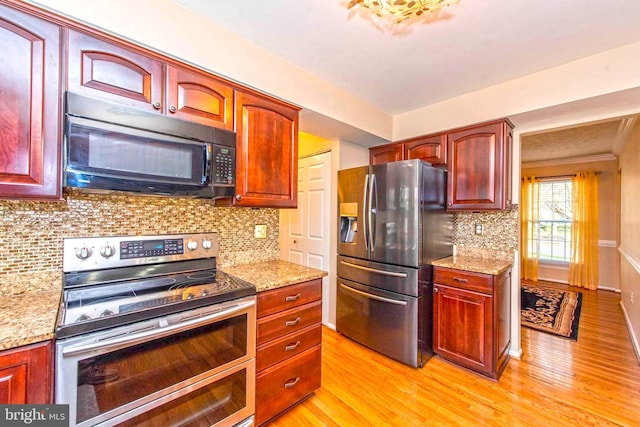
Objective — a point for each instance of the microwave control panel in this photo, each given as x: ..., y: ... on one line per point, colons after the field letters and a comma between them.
x: 224, y: 159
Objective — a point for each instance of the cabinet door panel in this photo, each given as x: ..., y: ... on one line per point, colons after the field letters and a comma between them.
x: 463, y: 327
x: 25, y: 375
x: 29, y: 107
x: 432, y: 149
x: 267, y: 152
x: 13, y: 384
x: 103, y: 70
x: 199, y: 98
x: 386, y: 154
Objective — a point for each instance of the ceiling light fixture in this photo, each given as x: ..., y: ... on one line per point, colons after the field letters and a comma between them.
x: 401, y: 10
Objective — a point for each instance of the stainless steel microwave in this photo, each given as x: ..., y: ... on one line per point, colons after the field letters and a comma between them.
x: 114, y: 147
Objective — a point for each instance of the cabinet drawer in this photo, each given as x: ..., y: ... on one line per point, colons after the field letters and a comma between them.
x: 463, y: 279
x: 271, y: 302
x: 287, y: 383
x: 282, y: 348
x: 289, y: 321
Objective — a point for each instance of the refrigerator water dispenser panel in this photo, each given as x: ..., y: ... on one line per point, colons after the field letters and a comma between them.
x: 348, y: 222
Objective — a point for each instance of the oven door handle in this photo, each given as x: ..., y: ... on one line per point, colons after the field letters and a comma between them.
x: 137, y: 338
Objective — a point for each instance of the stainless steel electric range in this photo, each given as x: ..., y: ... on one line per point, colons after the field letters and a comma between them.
x: 151, y: 333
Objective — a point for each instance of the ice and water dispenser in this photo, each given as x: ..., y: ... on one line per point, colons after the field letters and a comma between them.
x: 348, y: 222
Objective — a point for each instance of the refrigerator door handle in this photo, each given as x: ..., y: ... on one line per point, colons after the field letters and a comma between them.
x: 375, y: 297
x: 374, y: 270
x: 365, y: 213
x: 373, y: 205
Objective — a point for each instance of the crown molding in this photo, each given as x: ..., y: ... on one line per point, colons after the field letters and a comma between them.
x: 570, y: 160
x: 624, y: 131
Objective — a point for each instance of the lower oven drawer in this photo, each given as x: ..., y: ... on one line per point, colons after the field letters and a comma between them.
x: 282, y: 348
x: 286, y: 383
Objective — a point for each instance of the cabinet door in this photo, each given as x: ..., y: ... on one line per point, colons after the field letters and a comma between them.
x: 478, y: 168
x: 267, y: 152
x: 199, y: 98
x: 29, y: 107
x: 386, y: 154
x: 107, y: 71
x: 25, y: 375
x: 432, y: 149
x: 462, y: 327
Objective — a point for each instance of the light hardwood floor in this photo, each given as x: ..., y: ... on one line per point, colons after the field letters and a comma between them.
x: 558, y: 382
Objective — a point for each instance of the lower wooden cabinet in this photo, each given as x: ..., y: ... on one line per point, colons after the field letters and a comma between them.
x: 471, y: 319
x: 289, y: 337
x: 25, y: 375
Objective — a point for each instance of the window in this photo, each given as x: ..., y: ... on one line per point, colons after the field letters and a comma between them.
x: 552, y: 232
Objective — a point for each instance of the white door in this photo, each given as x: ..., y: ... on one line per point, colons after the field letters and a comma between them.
x: 305, y: 231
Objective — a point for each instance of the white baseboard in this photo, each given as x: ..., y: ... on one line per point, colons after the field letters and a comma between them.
x: 563, y: 282
x: 608, y: 288
x: 330, y: 325
x: 516, y: 354
x: 634, y: 339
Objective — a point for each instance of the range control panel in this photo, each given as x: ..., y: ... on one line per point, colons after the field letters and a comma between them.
x: 94, y: 253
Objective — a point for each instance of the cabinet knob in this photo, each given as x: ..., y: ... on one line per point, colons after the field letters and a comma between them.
x: 238, y: 197
x: 435, y: 290
x: 173, y: 108
x: 157, y: 105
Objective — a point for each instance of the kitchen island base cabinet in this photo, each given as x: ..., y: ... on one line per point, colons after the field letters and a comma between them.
x: 289, y: 340
x: 471, y: 318
x: 25, y: 375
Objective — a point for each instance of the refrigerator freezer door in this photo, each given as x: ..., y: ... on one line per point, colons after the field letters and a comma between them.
x: 395, y: 214
x: 352, y: 202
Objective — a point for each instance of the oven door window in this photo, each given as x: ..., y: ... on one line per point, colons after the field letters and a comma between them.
x: 118, y: 152
x: 155, y: 368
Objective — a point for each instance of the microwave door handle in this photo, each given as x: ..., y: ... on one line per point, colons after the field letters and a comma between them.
x: 209, y: 170
x: 365, y: 213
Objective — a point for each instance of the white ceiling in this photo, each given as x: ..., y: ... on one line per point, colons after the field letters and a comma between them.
x: 472, y: 45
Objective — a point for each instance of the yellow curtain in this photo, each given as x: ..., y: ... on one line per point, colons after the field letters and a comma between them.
x: 583, y: 268
x: 529, y: 205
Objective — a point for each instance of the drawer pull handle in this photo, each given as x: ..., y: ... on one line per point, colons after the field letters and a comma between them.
x: 291, y: 384
x: 292, y: 322
x: 457, y: 279
x: 291, y: 347
x: 292, y: 297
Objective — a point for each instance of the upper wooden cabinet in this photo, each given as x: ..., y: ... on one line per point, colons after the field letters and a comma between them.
x: 29, y: 107
x: 108, y: 71
x: 267, y: 152
x: 104, y: 70
x: 386, y: 153
x: 432, y: 149
x: 198, y: 97
x: 480, y: 167
x: 25, y: 375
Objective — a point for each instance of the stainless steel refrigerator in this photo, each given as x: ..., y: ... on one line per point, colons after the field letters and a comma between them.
x: 392, y: 223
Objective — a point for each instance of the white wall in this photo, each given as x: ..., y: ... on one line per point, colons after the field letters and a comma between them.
x: 630, y: 234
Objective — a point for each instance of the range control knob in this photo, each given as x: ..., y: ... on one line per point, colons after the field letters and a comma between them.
x: 107, y: 251
x: 84, y: 252
x: 206, y: 244
x: 192, y: 245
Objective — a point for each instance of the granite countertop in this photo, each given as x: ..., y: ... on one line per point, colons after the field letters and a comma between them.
x: 493, y: 266
x: 273, y: 274
x: 29, y: 304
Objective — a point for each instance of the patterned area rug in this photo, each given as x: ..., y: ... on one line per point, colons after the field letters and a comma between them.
x: 550, y: 310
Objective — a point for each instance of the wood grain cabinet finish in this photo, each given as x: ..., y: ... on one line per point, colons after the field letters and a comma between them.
x: 25, y: 375
x: 104, y: 70
x: 267, y: 152
x: 289, y: 347
x: 432, y: 149
x: 471, y: 319
x: 198, y: 97
x: 29, y: 107
x: 386, y: 153
x: 479, y: 167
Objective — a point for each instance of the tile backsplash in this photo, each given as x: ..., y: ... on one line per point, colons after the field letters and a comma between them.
x: 31, y: 233
x: 499, y: 236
